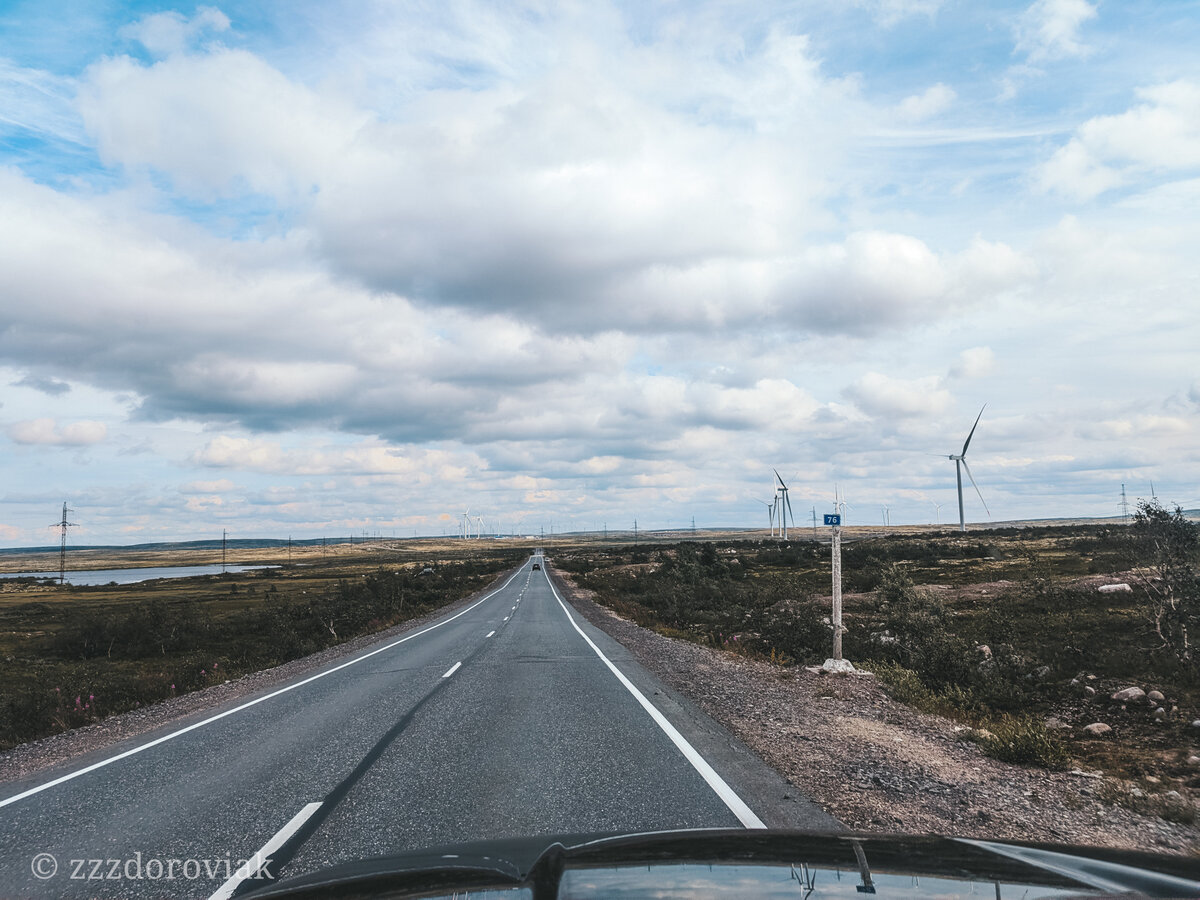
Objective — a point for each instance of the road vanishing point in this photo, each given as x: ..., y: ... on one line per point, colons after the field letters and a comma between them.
x: 509, y: 716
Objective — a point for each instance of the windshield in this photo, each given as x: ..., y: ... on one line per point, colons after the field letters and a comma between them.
x: 470, y: 427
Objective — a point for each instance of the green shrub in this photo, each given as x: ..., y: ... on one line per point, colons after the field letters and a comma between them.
x: 1024, y: 740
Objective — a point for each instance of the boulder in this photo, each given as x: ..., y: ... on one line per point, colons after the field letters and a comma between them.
x: 1096, y: 729
x: 984, y: 651
x: 1155, y: 697
x: 1041, y: 673
x: 1054, y: 723
x: 1115, y: 589
x: 1194, y: 761
x: 1160, y: 715
x: 1089, y: 691
x: 1128, y: 695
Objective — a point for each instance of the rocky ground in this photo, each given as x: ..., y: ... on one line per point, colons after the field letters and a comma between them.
x: 880, y: 766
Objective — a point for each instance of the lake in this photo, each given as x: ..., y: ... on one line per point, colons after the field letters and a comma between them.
x: 133, y: 576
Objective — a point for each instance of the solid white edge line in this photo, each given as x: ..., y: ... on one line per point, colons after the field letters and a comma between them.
x: 229, y: 712
x: 454, y: 668
x: 255, y: 863
x: 722, y: 789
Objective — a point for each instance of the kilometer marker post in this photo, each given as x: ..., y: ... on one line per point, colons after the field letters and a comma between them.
x: 836, y: 663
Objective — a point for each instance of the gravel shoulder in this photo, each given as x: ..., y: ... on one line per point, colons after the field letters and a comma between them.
x: 67, y: 748
x: 878, y: 765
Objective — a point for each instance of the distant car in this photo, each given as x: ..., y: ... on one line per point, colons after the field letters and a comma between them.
x: 537, y: 566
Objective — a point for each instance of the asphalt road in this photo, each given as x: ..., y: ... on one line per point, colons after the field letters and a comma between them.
x: 510, y: 717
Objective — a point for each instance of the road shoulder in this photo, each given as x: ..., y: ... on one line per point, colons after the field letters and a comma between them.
x: 871, y: 762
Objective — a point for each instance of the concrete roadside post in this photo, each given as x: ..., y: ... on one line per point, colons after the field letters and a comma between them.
x: 836, y: 663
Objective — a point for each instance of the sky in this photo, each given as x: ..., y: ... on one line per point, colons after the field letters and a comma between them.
x: 321, y: 267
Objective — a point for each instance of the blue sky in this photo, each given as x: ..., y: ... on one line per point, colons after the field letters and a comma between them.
x: 319, y: 268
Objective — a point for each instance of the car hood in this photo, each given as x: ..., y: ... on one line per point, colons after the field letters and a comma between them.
x: 720, y: 863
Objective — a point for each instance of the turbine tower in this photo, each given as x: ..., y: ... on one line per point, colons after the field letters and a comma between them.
x: 960, y: 463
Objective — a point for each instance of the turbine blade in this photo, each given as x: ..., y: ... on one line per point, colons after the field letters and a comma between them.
x: 789, y: 508
x: 974, y: 485
x: 973, y: 427
x: 777, y: 475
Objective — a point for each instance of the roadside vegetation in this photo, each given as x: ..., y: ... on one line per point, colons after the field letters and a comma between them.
x: 73, y: 655
x: 1003, y: 630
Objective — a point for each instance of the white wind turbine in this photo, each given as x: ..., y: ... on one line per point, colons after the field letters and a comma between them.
x: 938, y: 509
x: 770, y: 513
x: 960, y: 463
x: 785, y: 507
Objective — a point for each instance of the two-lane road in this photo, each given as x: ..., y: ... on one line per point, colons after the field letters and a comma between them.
x: 510, y: 717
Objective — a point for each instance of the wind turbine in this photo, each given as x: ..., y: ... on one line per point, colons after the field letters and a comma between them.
x: 938, y: 507
x: 785, y: 507
x: 960, y: 463
x: 770, y: 513
x: 887, y: 519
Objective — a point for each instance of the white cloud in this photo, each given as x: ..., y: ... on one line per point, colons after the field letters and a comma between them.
x: 47, y: 431
x: 1160, y: 134
x: 167, y: 33
x: 881, y: 395
x: 1049, y: 29
x: 975, y: 362
x: 934, y: 100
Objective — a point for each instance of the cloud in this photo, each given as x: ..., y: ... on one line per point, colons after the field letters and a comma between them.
x: 49, y: 432
x: 881, y: 395
x: 167, y: 33
x: 976, y: 362
x: 47, y: 385
x: 934, y: 100
x: 891, y: 12
x: 220, y: 486
x: 1049, y: 29
x: 1161, y: 134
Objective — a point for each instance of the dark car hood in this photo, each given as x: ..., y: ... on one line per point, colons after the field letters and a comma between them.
x: 822, y: 864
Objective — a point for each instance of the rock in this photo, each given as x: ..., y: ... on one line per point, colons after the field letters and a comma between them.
x: 1115, y: 589
x: 1125, y: 695
x: 1155, y: 697
x: 1194, y: 761
x: 984, y: 651
x: 1089, y: 691
x: 1096, y: 729
x: 1196, y: 723
x: 1041, y: 673
x: 1160, y: 715
x: 1054, y: 723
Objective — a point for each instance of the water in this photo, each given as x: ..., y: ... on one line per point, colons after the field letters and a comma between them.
x: 133, y: 576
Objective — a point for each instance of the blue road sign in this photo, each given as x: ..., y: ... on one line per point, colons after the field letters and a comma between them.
x: 833, y: 519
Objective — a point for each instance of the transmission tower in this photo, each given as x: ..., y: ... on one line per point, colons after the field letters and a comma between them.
x: 62, y: 549
x: 1124, y: 506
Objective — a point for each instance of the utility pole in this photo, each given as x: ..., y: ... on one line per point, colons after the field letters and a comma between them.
x: 635, y: 539
x: 289, y: 549
x: 693, y: 524
x: 224, y: 540
x: 1124, y: 506
x: 814, y: 523
x: 62, y: 549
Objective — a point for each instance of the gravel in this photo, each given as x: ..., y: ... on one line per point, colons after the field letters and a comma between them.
x: 877, y: 764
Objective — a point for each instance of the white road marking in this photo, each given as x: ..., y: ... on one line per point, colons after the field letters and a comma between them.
x: 489, y: 634
x: 454, y: 668
x: 722, y: 789
x: 506, y: 618
x: 255, y: 863
x: 229, y: 712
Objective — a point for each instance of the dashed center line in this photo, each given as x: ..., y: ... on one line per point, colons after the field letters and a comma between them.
x: 489, y: 634
x: 453, y: 669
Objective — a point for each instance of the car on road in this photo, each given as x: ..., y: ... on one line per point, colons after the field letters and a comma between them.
x: 537, y: 567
